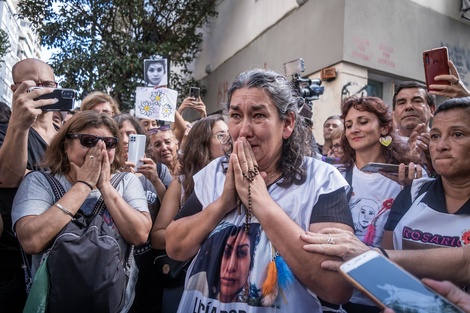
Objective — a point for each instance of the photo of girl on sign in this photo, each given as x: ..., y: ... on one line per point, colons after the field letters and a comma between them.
x: 155, y: 72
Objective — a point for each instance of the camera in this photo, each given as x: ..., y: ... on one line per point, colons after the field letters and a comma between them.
x: 309, y: 89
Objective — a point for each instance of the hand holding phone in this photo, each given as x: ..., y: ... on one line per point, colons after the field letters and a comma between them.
x: 65, y: 99
x: 388, y: 285
x: 436, y: 62
x: 136, y: 151
x: 373, y: 167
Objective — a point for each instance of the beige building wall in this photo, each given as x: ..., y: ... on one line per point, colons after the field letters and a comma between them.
x: 364, y: 40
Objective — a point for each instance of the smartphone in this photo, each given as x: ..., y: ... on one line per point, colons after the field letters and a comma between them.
x: 136, y: 150
x: 66, y: 99
x: 195, y: 92
x: 388, y: 285
x: 373, y: 167
x: 436, y: 62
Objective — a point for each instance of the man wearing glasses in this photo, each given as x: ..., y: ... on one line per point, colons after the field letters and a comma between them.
x: 22, y: 144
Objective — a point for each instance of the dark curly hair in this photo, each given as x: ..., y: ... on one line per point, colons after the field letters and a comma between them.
x: 395, y: 153
x: 283, y: 95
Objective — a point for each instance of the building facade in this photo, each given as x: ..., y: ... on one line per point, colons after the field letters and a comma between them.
x: 370, y: 46
x: 23, y: 44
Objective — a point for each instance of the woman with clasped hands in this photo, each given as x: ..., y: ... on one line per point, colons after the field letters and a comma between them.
x: 269, y: 183
x: 83, y: 156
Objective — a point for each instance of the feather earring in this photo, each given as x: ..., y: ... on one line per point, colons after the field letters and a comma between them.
x: 279, y: 277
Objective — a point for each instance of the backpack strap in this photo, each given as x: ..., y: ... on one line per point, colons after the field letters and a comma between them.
x: 56, y: 186
x: 115, y: 180
x: 59, y: 192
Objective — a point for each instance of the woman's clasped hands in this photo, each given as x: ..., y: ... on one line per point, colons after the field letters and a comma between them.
x: 96, y: 169
x: 244, y: 181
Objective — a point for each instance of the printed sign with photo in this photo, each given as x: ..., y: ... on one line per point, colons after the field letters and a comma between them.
x: 156, y: 72
x: 156, y: 103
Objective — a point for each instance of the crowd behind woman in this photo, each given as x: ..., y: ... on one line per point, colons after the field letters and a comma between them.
x: 236, y: 203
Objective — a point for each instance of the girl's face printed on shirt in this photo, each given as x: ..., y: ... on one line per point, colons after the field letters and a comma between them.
x: 235, y: 266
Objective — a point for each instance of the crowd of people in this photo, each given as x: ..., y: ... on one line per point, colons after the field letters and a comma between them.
x: 233, y: 213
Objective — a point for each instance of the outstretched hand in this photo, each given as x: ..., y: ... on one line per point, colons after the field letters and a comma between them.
x: 334, y: 242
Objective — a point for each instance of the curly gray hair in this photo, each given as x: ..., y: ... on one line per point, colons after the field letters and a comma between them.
x: 285, y: 98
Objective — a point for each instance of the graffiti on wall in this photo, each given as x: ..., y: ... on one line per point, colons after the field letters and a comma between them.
x: 351, y: 89
x: 380, y: 53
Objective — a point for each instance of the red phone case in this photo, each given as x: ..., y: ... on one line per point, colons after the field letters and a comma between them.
x: 436, y: 62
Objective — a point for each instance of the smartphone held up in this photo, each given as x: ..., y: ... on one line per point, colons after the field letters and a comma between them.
x: 436, y: 62
x: 65, y: 99
x: 195, y: 92
x: 136, y: 149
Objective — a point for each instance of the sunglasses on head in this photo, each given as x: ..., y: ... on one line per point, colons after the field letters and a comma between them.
x: 155, y: 130
x: 91, y: 140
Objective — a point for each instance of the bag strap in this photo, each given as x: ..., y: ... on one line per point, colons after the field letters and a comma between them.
x: 56, y: 186
x: 115, y: 180
x: 349, y: 177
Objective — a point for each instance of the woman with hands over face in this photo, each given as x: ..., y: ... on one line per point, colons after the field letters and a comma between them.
x: 83, y: 156
x: 267, y: 181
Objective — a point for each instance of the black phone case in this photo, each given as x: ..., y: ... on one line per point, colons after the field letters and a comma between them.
x: 66, y: 100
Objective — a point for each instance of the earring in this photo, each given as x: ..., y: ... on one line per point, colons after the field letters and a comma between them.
x: 385, y: 141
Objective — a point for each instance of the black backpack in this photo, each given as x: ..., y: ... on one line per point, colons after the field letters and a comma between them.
x: 88, y: 271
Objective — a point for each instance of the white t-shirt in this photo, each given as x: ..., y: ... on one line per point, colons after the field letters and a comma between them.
x: 203, y: 289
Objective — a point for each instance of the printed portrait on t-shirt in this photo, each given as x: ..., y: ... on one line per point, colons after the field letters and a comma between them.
x: 363, y: 212
x: 223, y: 266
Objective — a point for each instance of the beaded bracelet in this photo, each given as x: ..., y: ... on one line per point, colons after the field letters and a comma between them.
x: 63, y: 209
x: 84, y: 182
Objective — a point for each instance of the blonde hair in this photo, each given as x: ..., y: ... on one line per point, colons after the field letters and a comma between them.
x: 336, y: 133
x: 97, y: 97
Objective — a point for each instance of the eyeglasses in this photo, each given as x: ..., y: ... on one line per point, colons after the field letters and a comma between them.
x: 47, y: 83
x: 90, y: 141
x: 221, y: 136
x: 155, y: 130
x: 336, y: 146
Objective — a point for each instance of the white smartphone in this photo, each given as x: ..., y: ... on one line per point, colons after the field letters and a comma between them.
x: 373, y: 167
x: 136, y: 151
x: 388, y: 285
